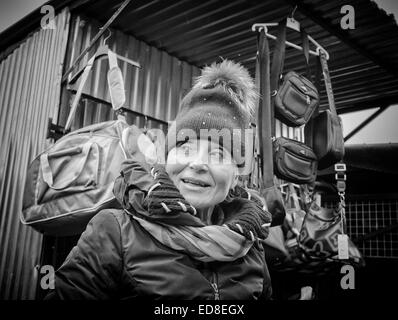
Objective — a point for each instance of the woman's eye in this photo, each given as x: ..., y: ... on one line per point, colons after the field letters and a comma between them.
x: 185, y: 149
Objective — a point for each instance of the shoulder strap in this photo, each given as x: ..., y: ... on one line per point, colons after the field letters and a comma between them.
x: 306, y: 52
x: 278, y: 58
x: 265, y: 117
x: 328, y: 83
x: 83, y: 81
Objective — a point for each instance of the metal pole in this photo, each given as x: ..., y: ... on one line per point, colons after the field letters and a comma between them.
x: 364, y: 123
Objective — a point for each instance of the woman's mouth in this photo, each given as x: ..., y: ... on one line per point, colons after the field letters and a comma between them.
x: 195, y: 182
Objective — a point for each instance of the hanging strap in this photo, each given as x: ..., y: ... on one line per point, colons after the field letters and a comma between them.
x: 309, y: 127
x: 341, y: 177
x: 293, y: 195
x: 306, y: 52
x: 328, y: 83
x: 265, y: 117
x: 83, y: 81
x: 115, y: 83
x: 277, y: 67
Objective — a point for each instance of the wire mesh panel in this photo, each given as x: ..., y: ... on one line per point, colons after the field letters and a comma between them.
x: 373, y: 225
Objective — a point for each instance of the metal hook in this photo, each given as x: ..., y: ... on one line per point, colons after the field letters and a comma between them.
x: 108, y: 36
x: 293, y: 12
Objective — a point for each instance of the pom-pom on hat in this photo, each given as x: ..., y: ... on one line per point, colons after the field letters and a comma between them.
x: 222, y: 103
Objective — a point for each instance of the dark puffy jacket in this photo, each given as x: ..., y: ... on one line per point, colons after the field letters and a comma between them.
x: 115, y: 258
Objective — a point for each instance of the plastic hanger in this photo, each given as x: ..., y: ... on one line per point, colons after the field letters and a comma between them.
x: 293, y: 24
x: 102, y: 53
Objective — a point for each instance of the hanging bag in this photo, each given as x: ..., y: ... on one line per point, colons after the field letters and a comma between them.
x: 293, y: 160
x: 324, y: 132
x: 294, y: 97
x: 70, y: 182
x: 323, y: 234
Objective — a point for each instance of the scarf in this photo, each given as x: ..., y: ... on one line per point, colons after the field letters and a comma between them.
x: 149, y: 196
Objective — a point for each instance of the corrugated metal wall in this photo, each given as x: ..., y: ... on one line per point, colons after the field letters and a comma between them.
x: 154, y: 90
x: 29, y: 94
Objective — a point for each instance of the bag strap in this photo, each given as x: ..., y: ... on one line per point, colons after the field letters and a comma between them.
x: 265, y: 117
x: 341, y: 177
x: 328, y: 83
x: 294, y: 196
x: 116, y: 86
x: 277, y: 68
x: 112, y: 59
x: 83, y: 81
x: 309, y: 126
x: 112, y: 64
x: 306, y: 52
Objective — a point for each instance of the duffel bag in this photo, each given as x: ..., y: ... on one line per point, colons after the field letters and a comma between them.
x: 70, y: 182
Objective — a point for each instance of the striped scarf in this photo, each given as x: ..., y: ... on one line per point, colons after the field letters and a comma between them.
x: 152, y: 199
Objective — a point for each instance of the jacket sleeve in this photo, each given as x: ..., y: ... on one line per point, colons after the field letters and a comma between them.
x: 267, y: 285
x: 94, y: 266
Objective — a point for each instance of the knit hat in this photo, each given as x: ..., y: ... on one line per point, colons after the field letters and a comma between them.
x: 220, y: 107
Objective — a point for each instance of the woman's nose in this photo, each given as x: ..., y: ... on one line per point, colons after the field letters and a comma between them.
x: 199, y: 163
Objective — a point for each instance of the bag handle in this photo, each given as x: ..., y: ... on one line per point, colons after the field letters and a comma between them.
x: 85, y: 150
x: 83, y: 81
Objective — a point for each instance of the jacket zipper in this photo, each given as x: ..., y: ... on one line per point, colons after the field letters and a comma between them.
x: 215, y: 287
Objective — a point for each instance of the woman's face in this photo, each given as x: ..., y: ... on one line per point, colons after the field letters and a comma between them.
x: 202, y: 171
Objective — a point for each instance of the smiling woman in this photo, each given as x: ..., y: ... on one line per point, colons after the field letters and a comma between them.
x: 204, y: 174
x: 186, y: 230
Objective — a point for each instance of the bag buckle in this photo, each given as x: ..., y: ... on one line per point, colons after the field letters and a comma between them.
x: 273, y: 93
x: 340, y: 176
x: 338, y: 167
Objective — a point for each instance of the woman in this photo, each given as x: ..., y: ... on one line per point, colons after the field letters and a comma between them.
x: 186, y: 230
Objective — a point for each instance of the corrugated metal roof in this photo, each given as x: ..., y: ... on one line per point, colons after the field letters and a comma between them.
x: 363, y: 61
